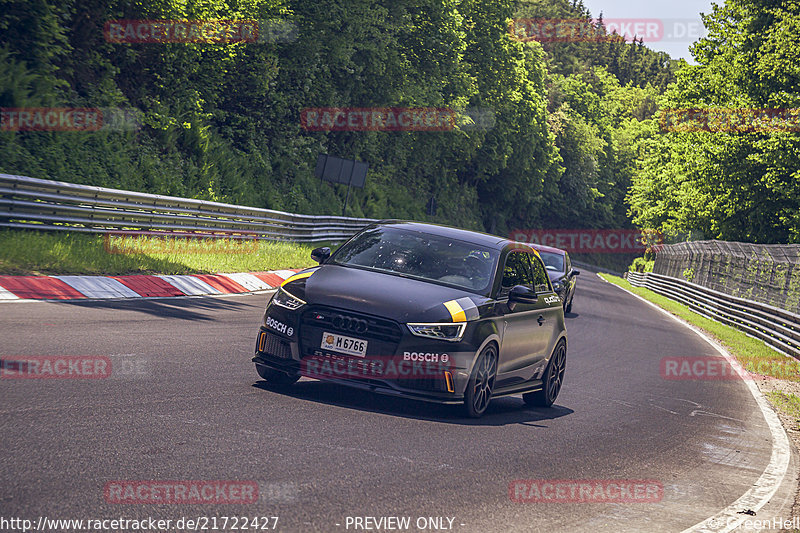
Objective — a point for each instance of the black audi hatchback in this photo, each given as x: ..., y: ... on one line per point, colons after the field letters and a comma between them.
x: 421, y: 311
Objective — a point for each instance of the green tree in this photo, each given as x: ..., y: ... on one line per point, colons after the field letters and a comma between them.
x: 732, y: 185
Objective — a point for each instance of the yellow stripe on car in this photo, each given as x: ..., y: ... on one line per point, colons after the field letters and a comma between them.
x: 301, y: 275
x: 456, y: 311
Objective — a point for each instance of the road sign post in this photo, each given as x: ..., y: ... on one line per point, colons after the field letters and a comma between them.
x: 344, y: 171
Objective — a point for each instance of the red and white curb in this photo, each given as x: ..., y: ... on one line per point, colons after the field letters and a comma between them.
x: 15, y: 288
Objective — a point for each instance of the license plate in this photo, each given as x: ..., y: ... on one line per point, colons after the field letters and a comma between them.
x: 340, y: 343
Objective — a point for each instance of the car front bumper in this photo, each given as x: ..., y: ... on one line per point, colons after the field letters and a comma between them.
x: 396, y: 362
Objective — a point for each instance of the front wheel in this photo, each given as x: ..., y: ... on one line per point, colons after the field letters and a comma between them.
x: 553, y: 379
x: 276, y: 377
x: 481, y: 382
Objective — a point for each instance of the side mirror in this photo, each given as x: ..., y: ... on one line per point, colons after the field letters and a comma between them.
x: 576, y: 272
x: 320, y: 255
x: 522, y: 294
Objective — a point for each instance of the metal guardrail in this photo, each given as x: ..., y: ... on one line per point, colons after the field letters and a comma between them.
x: 777, y: 327
x: 41, y: 204
x: 766, y: 273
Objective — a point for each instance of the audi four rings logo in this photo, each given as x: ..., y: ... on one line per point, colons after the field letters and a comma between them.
x: 350, y: 324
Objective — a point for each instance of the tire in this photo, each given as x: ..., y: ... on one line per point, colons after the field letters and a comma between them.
x: 552, y: 380
x: 568, y: 309
x: 481, y: 382
x: 276, y: 377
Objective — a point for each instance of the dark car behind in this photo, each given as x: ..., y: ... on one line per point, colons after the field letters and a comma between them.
x: 561, y: 273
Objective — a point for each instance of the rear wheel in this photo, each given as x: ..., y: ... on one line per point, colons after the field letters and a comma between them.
x: 481, y: 382
x: 276, y: 377
x: 553, y: 379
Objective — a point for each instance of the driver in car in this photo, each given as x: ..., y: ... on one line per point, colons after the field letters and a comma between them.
x: 474, y: 268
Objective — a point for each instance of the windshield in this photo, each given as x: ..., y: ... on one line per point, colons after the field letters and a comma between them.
x: 422, y: 256
x: 553, y: 262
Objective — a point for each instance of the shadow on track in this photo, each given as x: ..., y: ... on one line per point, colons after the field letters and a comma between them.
x: 181, y: 308
x: 502, y: 411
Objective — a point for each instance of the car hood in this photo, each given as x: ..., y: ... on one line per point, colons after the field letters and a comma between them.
x: 555, y: 275
x: 385, y: 295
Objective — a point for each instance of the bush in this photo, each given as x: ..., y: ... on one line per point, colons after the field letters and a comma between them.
x: 640, y: 264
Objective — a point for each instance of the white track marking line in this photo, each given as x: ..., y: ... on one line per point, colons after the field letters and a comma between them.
x: 767, y: 485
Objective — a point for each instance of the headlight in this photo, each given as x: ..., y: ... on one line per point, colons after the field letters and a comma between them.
x: 557, y: 285
x: 284, y: 299
x: 443, y: 332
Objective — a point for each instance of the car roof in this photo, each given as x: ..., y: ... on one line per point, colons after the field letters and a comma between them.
x: 476, y: 237
x: 543, y: 248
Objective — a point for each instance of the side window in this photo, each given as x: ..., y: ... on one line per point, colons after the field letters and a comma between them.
x: 540, y: 276
x: 516, y: 272
x: 567, y: 263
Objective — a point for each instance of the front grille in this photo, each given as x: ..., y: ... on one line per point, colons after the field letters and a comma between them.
x: 275, y: 346
x: 349, y: 323
x: 382, y: 336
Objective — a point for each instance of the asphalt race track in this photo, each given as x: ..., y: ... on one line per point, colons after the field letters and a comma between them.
x: 184, y: 402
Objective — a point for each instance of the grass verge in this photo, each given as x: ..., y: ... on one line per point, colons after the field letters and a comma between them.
x: 755, y: 356
x: 24, y: 252
x: 787, y: 403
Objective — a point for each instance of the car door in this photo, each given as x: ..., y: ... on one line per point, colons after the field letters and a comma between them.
x: 568, y: 277
x: 550, y: 317
x: 519, y: 327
